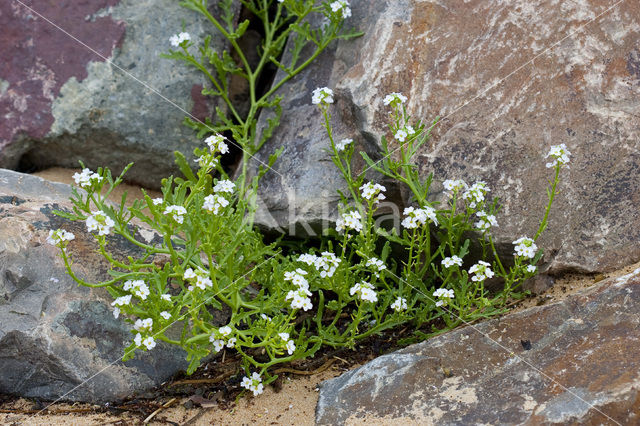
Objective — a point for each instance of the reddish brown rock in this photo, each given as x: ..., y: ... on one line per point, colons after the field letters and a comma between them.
x: 509, y: 79
x: 571, y: 362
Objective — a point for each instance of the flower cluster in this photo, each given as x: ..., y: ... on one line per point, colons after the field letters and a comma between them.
x: 216, y: 144
x: 417, y: 217
x: 349, y: 220
x: 341, y: 8
x: 300, y: 296
x: 394, y: 99
x: 454, y: 185
x: 119, y: 302
x: 177, y: 39
x: 378, y: 264
x: 176, y: 213
x: 214, y: 202
x: 342, y: 145
x: 560, y: 155
x: 444, y: 296
x: 220, y: 337
x: 322, y: 95
x: 253, y: 383
x: 482, y: 271
x: 373, y: 191
x: 365, y: 291
x: 402, y: 134
x: 148, y: 341
x: 289, y: 343
x: 137, y: 287
x: 224, y: 185
x: 474, y: 196
x: 86, y: 179
x: 99, y: 221
x: 448, y: 262
x: 200, y: 278
x: 327, y: 264
x: 59, y: 237
x: 486, y: 221
x: 525, y: 247
x: 400, y: 304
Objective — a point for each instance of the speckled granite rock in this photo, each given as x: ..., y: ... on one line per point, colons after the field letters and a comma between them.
x: 54, y: 334
x: 571, y: 362
x: 509, y: 79
x: 60, y: 102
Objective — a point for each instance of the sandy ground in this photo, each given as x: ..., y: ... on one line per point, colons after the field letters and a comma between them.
x: 294, y: 404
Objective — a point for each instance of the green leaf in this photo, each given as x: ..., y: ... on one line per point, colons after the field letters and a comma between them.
x: 182, y: 163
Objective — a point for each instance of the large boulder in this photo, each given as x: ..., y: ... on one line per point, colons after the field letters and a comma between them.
x: 58, y: 339
x: 509, y: 80
x: 569, y: 362
x: 103, y: 94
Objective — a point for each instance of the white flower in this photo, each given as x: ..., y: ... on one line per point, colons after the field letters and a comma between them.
x: 176, y: 212
x: 264, y: 317
x: 137, y: 287
x: 342, y: 145
x: 201, y: 277
x: 207, y: 161
x: 157, y: 201
x: 296, y: 277
x: 417, y: 217
x: 349, y: 220
x: 59, y: 237
x: 525, y: 247
x: 475, y: 194
x: 224, y: 186
x: 379, y: 264
x: 87, y: 178
x: 218, y: 344
x: 231, y: 342
x: 482, y: 271
x: 121, y: 301
x: 166, y: 297
x: 341, y: 6
x: 299, y: 299
x: 486, y: 221
x: 327, y: 264
x: 166, y: 315
x: 214, y: 202
x: 410, y: 130
x: 284, y: 336
x: 225, y: 331
x: 216, y: 144
x: 253, y: 383
x: 560, y: 155
x: 322, y: 95
x: 116, y: 312
x: 531, y: 269
x: 394, y: 98
x: 454, y: 185
x: 308, y: 258
x: 375, y: 191
x: 291, y: 347
x: 400, y: 304
x: 177, y: 39
x: 365, y: 291
x: 99, y: 221
x: 149, y: 342
x: 448, y: 262
x: 444, y: 295
x: 143, y: 324
x: 401, y: 135
x: 138, y: 339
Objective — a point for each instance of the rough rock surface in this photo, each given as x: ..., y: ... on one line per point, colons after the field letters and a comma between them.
x: 571, y: 362
x: 54, y: 334
x: 61, y: 102
x: 509, y: 79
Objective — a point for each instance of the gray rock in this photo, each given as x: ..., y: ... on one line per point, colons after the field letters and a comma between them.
x: 509, y: 81
x: 58, y: 339
x: 61, y: 102
x: 565, y: 363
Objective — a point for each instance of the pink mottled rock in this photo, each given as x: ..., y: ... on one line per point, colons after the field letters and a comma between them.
x: 509, y: 79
